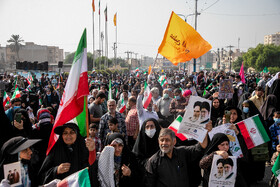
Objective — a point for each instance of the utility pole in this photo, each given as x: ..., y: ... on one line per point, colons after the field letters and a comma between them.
x: 115, y: 53
x: 219, y: 59
x: 195, y: 27
x: 230, y: 46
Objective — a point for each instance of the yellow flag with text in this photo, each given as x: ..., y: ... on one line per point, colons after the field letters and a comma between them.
x: 182, y: 42
x: 115, y: 19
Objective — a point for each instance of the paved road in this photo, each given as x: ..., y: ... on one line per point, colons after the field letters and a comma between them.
x: 267, y: 176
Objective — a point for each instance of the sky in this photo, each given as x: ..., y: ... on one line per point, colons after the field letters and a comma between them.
x: 140, y: 24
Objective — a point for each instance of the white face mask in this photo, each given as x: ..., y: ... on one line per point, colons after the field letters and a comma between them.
x: 150, y: 133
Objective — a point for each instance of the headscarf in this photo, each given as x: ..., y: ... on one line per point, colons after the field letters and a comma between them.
x: 145, y: 146
x: 275, y: 90
x: 269, y: 83
x: 269, y: 106
x: 76, y: 154
x: 216, y: 112
x: 106, y: 167
x: 243, y: 98
x: 239, y: 113
x: 217, y: 139
x: 27, y: 126
x: 253, y: 110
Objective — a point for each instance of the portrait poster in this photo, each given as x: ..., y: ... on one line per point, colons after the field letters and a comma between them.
x: 12, y: 173
x: 223, y: 172
x: 197, y: 115
x: 234, y: 145
x: 225, y: 89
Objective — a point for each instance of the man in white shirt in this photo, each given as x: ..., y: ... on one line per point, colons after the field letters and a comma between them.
x: 144, y: 114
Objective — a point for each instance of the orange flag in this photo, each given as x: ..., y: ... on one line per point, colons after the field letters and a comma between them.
x: 93, y: 7
x: 115, y: 19
x: 181, y: 42
x: 149, y: 70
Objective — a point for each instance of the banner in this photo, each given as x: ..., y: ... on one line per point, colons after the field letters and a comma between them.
x: 223, y: 172
x: 226, y: 90
x: 197, y: 114
x: 234, y: 145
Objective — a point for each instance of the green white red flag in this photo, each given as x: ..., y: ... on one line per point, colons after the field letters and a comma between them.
x: 136, y: 70
x: 147, y: 96
x: 174, y: 126
x: 253, y: 131
x: 78, y: 179
x: 76, y: 89
x: 6, y: 99
x: 29, y: 79
x: 123, y: 107
x: 16, y: 93
x: 110, y: 91
x: 162, y: 81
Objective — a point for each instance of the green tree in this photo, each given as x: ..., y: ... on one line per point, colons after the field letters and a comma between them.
x: 69, y: 59
x: 236, y: 65
x: 101, y: 60
x: 262, y: 56
x: 15, y: 43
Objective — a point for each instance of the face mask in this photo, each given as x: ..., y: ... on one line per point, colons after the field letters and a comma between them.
x: 245, y: 110
x: 277, y: 120
x: 48, y: 94
x: 150, y: 133
x: 178, y: 97
x: 16, y: 107
x: 165, y: 96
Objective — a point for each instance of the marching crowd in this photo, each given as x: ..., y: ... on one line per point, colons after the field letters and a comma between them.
x: 146, y: 152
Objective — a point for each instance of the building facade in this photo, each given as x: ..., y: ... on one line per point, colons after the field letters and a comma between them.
x: 272, y: 39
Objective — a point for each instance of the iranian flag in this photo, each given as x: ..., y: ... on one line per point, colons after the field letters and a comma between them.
x: 123, y: 107
x: 110, y: 91
x: 16, y: 93
x: 136, y: 70
x: 76, y: 89
x: 29, y: 79
x: 78, y: 179
x: 162, y: 81
x: 276, y: 168
x: 137, y: 74
x: 6, y: 99
x: 253, y: 131
x: 147, y: 96
x: 174, y: 126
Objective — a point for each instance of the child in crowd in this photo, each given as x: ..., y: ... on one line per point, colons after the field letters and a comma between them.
x: 93, y: 131
x: 273, y: 180
x: 275, y: 130
x: 113, y: 126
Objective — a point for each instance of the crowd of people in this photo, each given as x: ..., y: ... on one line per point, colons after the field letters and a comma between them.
x: 129, y: 144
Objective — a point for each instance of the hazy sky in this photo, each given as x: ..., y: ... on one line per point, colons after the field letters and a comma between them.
x: 141, y: 23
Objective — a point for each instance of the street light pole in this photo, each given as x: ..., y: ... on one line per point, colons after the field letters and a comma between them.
x: 230, y: 46
x: 195, y: 27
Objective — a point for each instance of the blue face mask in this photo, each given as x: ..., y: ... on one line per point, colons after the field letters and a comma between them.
x: 16, y: 107
x: 246, y: 109
x: 165, y: 96
x: 178, y: 97
x: 277, y: 120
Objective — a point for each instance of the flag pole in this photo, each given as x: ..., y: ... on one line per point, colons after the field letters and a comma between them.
x: 93, y: 54
x: 116, y: 43
x: 87, y: 125
x: 99, y: 39
x: 153, y: 67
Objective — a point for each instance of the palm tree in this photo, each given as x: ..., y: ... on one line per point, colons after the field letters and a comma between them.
x: 15, y: 44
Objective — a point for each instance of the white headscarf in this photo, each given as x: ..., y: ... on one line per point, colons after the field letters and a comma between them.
x: 269, y: 83
x: 106, y: 167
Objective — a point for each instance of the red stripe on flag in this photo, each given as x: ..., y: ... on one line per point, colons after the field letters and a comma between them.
x: 250, y: 144
x: 179, y: 135
x: 122, y: 109
x: 147, y: 102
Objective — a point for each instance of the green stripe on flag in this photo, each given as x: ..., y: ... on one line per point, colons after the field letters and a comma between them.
x: 145, y: 85
x: 81, y: 120
x: 261, y: 128
x: 179, y: 118
x: 81, y: 46
x: 84, y: 178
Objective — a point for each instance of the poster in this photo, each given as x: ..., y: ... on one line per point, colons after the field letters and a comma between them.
x: 234, y: 145
x: 12, y: 173
x: 225, y: 89
x: 197, y: 115
x: 223, y: 172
